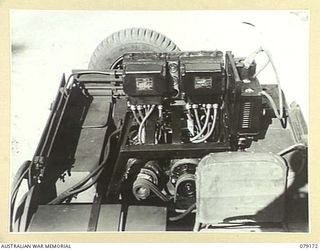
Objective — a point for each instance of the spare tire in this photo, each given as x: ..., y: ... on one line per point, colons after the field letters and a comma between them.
x: 108, y: 54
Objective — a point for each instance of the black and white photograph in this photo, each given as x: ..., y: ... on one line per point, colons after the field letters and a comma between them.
x: 159, y: 121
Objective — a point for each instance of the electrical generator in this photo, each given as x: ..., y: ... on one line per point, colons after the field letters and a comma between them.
x: 166, y: 140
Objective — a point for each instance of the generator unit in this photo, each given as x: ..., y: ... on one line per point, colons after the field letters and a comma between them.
x: 163, y: 141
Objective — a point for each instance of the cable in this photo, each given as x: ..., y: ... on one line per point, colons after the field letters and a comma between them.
x: 146, y: 108
x: 142, y: 123
x: 197, y: 117
x: 204, y: 126
x: 273, y: 105
x: 136, y: 117
x: 87, y: 186
x: 292, y: 148
x: 160, y: 109
x: 214, y: 118
x: 189, y: 117
x: 184, y: 214
x: 139, y: 108
x: 250, y: 58
x: 190, y: 121
x: 247, y: 63
x: 297, y: 146
x: 133, y: 109
x: 64, y: 195
x: 140, y: 114
x: 278, y: 82
x: 261, y: 69
x: 190, y: 124
x: 75, y: 189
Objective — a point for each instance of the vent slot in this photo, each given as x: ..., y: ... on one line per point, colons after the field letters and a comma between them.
x: 246, y: 115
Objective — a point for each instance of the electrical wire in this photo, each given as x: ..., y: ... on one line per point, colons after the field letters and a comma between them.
x: 70, y: 192
x: 140, y: 113
x: 197, y: 118
x: 184, y: 214
x: 133, y: 109
x: 189, y: 114
x: 204, y: 126
x: 214, y: 118
x: 160, y: 109
x: 96, y: 172
x: 273, y: 105
x: 80, y: 186
x: 136, y: 117
x: 142, y: 124
x: 249, y: 60
x: 262, y: 68
x: 190, y: 124
x: 297, y: 146
x: 146, y: 108
x: 189, y: 117
x: 278, y: 82
x: 27, y: 169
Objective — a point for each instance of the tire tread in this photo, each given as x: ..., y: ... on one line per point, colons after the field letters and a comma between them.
x: 129, y: 36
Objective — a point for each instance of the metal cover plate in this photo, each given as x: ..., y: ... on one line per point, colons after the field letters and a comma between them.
x: 241, y: 186
x: 144, y: 218
x: 73, y: 218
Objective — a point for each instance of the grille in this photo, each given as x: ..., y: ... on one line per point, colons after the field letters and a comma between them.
x: 246, y: 115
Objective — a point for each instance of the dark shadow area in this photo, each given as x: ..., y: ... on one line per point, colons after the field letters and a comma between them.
x: 17, y: 48
x: 295, y: 213
x: 61, y: 155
